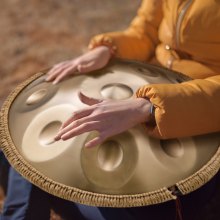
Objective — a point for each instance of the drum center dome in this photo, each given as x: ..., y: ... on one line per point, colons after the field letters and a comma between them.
x: 110, y: 155
x: 36, y: 97
x: 48, y: 133
x: 116, y: 91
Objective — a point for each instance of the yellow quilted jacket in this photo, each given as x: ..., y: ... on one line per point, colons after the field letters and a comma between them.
x: 183, y: 35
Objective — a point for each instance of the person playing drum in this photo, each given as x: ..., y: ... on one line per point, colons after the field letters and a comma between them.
x: 180, y: 35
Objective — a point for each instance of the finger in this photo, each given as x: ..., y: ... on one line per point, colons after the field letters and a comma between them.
x: 96, y: 141
x: 57, y: 66
x: 55, y: 71
x: 64, y: 73
x: 83, y: 128
x: 88, y: 100
x: 72, y: 126
x: 69, y: 127
x: 76, y: 115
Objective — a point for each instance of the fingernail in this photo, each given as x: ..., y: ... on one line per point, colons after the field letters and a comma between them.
x: 47, y: 78
x: 54, y: 82
x: 87, y: 145
x: 63, y: 138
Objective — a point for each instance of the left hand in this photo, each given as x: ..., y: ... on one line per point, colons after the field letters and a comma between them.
x: 108, y: 117
x: 92, y: 60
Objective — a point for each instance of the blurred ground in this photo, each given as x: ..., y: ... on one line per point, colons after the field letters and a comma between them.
x: 36, y: 34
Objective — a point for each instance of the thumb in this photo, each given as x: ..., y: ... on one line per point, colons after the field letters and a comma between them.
x: 88, y: 100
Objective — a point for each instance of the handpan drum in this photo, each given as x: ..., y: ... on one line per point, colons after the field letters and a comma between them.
x: 127, y: 170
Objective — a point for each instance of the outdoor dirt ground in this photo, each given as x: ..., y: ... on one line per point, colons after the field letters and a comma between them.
x: 36, y: 34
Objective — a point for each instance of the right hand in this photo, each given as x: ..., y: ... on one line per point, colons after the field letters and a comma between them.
x: 90, y: 61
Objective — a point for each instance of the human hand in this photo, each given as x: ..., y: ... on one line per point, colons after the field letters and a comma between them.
x: 90, y: 61
x: 108, y: 117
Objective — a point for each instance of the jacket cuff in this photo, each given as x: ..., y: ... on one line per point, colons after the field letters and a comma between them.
x: 103, y: 40
x: 187, y: 109
x: 125, y: 44
x: 150, y: 93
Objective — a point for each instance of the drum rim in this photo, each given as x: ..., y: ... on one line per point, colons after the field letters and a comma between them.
x: 74, y: 194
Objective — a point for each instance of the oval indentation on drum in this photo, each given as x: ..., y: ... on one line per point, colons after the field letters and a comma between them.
x: 116, y: 91
x: 37, y: 144
x: 36, y: 97
x: 110, y: 155
x: 172, y: 147
x: 110, y: 161
x: 48, y: 133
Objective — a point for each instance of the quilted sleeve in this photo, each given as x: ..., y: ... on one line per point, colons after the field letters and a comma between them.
x: 139, y: 40
x: 185, y: 109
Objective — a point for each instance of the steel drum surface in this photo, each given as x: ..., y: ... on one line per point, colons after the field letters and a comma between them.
x: 130, y: 163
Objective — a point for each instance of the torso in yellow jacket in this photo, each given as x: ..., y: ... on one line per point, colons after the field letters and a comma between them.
x: 183, y: 35
x: 192, y: 29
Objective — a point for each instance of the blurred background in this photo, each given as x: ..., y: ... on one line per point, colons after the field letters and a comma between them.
x: 35, y: 34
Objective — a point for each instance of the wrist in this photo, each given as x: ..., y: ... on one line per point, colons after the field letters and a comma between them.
x: 147, y: 111
x: 107, y: 51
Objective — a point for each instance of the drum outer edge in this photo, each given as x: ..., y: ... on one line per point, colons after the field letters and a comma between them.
x: 164, y: 194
